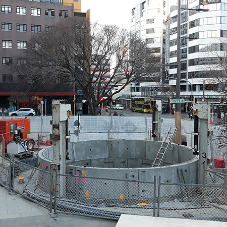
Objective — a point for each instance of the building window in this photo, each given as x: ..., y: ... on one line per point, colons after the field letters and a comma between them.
x: 21, y: 61
x: 49, y: 12
x: 7, y: 43
x: 7, y: 61
x: 173, y: 42
x: 143, y: 5
x: 209, y: 34
x: 21, y: 27
x: 154, y: 50
x: 6, y: 78
x: 35, y: 11
x: 183, y: 29
x: 47, y: 28
x: 21, y: 10
x: 224, y: 33
x: 149, y: 40
x: 63, y: 13
x: 183, y: 65
x: 21, y: 77
x: 21, y: 45
x: 150, y: 21
x: 35, y: 28
x: 150, y: 30
x: 184, y: 53
x: 133, y: 11
x: 6, y: 9
x: 153, y: 40
x: 173, y: 54
x: 6, y: 26
x: 194, y: 23
x: 173, y: 31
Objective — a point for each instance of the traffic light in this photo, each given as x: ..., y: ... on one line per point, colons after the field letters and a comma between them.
x: 127, y: 73
x: 101, y: 99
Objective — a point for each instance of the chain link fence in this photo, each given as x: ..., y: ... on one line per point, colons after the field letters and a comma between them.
x: 201, y: 202
x: 109, y: 127
x: 104, y: 197
x: 5, y: 167
x: 109, y: 198
x: 34, y: 183
x: 29, y: 181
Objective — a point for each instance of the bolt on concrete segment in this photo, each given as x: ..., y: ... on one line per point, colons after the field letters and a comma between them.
x: 145, y: 221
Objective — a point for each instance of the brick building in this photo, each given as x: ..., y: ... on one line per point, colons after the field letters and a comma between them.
x: 19, y: 20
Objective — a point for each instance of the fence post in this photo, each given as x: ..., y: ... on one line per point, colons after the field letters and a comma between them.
x: 55, y: 192
x: 51, y: 193
x: 12, y: 174
x: 159, y: 185
x: 9, y: 187
x: 154, y: 206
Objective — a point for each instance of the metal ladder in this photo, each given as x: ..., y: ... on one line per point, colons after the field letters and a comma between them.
x: 164, y: 147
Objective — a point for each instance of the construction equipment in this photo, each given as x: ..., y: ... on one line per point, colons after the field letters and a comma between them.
x: 14, y: 137
x: 165, y: 146
x: 8, y: 127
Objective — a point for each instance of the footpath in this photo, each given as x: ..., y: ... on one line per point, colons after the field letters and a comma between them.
x: 18, y: 211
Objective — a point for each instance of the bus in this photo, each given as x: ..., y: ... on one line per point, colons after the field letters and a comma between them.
x: 142, y: 104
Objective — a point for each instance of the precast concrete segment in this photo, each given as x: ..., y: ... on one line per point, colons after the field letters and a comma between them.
x: 127, y: 160
x: 145, y: 221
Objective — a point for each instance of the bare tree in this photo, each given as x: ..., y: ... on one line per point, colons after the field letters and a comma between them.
x: 82, y: 54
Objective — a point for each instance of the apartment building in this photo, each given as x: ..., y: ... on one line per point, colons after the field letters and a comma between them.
x: 148, y: 22
x: 19, y: 20
x: 203, y: 34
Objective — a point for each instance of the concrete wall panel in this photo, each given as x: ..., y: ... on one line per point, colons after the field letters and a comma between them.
x: 99, y: 163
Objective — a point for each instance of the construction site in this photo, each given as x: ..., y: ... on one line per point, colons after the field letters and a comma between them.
x: 107, y: 166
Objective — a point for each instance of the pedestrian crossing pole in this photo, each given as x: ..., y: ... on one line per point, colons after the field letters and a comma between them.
x: 74, y: 105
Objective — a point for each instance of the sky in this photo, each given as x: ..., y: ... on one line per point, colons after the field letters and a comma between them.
x: 114, y: 12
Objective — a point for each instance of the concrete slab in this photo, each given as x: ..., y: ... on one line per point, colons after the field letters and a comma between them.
x: 145, y: 221
x: 14, y: 206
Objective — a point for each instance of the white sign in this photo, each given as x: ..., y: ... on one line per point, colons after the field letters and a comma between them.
x: 177, y: 101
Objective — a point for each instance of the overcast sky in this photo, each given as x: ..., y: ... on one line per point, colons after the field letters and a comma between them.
x: 115, y: 12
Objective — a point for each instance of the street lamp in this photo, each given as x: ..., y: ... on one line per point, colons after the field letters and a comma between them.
x: 178, y: 105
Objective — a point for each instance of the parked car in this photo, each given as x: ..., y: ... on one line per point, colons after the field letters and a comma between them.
x: 118, y: 107
x: 23, y: 112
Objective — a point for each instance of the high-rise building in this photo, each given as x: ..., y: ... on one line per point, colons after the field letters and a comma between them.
x: 202, y: 36
x: 148, y: 22
x: 19, y: 20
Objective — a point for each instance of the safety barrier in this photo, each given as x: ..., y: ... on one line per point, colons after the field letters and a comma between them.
x: 104, y: 197
x: 29, y: 181
x: 206, y: 202
x: 5, y: 166
x: 109, y: 198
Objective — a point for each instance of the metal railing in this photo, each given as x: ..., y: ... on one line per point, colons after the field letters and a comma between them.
x: 109, y: 198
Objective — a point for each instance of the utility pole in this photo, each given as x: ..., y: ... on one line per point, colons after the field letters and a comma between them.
x: 178, y: 105
x: 60, y: 113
